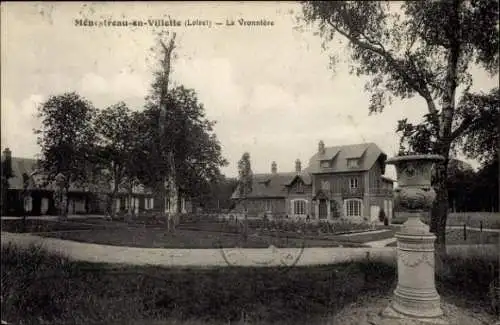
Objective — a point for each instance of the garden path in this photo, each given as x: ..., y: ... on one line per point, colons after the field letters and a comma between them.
x: 222, y: 257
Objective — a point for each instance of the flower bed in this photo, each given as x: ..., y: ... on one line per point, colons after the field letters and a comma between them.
x: 282, y: 226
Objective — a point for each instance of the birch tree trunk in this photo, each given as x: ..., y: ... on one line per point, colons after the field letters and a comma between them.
x: 167, y: 55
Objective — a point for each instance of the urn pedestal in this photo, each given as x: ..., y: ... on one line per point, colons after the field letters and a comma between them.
x: 415, y: 298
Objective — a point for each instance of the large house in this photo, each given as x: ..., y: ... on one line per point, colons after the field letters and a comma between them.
x: 342, y: 182
x: 91, y: 199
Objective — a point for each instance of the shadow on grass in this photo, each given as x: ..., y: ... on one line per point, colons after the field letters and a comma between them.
x: 38, y: 285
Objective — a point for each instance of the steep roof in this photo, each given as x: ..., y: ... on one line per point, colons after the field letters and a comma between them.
x: 367, y: 153
x: 273, y: 185
x: 28, y: 166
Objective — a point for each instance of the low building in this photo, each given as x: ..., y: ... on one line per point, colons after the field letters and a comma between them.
x: 341, y: 182
x: 39, y: 198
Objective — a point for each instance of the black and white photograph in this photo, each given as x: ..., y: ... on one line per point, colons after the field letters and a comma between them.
x: 250, y: 162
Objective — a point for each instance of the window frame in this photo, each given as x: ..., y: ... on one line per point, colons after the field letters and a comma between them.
x: 353, y: 180
x: 353, y: 163
x: 350, y: 210
x: 299, y: 186
x: 325, y: 164
x: 297, y: 207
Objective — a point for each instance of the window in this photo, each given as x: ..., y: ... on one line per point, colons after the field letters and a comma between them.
x: 268, y: 205
x: 299, y: 207
x: 325, y: 185
x: 325, y: 164
x: 353, y: 208
x: 300, y: 187
x: 352, y: 163
x: 353, y: 183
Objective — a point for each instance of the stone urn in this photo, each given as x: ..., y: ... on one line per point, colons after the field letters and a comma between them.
x: 414, y: 195
x: 415, y: 296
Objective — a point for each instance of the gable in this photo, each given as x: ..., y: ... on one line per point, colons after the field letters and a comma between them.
x: 365, y: 154
x: 273, y: 185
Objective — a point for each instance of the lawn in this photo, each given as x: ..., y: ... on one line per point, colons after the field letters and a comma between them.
x: 160, y: 238
x: 474, y: 219
x: 473, y: 237
x: 368, y: 236
x: 35, y: 226
x: 39, y: 286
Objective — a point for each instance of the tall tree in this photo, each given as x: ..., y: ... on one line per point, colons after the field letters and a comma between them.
x: 195, y: 146
x: 67, y: 139
x: 245, y: 184
x: 420, y: 48
x: 116, y: 145
x: 191, y: 140
x: 159, y: 94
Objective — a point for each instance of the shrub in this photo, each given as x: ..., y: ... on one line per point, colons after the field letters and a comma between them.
x: 381, y: 215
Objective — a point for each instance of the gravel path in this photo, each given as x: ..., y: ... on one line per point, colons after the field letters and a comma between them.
x: 200, y: 257
x: 223, y: 257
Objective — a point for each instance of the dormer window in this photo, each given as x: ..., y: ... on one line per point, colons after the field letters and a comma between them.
x: 325, y: 164
x: 353, y: 163
x: 300, y: 187
x: 353, y: 183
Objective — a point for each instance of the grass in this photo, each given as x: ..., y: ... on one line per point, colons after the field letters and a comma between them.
x: 39, y: 286
x: 34, y: 225
x: 471, y: 219
x: 474, y: 237
x: 367, y: 237
x: 36, y: 285
x: 474, y: 219
x: 159, y: 238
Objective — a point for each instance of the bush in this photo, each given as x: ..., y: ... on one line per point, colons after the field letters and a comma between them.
x: 381, y: 215
x: 476, y: 274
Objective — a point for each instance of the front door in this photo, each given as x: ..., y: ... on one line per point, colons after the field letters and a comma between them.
x: 323, y: 212
x: 374, y: 212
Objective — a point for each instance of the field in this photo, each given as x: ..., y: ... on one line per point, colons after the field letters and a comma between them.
x: 474, y: 219
x: 160, y: 238
x: 213, y: 235
x: 38, y: 287
x: 155, y: 236
x: 473, y: 237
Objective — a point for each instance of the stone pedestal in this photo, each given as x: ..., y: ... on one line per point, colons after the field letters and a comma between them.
x: 415, y: 299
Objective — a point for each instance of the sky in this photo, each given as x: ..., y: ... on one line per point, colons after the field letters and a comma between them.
x: 269, y: 88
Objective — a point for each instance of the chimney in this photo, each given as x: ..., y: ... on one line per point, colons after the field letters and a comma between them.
x: 298, y: 166
x: 7, y: 153
x: 8, y: 163
x: 274, y: 168
x: 321, y: 147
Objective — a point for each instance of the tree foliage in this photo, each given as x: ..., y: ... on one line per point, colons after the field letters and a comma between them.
x: 67, y: 138
x: 480, y: 116
x: 117, y: 144
x: 471, y: 190
x: 189, y: 135
x: 423, y: 48
x: 245, y: 175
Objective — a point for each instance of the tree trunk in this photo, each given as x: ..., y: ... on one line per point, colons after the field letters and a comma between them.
x: 65, y: 202
x: 245, y: 225
x: 441, y: 205
x: 130, y: 201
